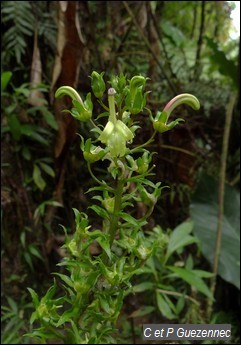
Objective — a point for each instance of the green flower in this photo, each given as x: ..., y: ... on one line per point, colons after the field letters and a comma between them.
x: 82, y: 111
x: 160, y: 121
x: 115, y: 134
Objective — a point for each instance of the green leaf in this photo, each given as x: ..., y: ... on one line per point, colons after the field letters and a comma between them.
x: 143, y: 287
x: 204, y: 211
x: 105, y: 304
x: 5, y: 79
x: 180, y: 304
x: 47, y: 169
x: 66, y: 316
x: 104, y: 243
x: 53, y: 203
x: 50, y: 119
x: 34, y: 251
x: 129, y: 219
x: 33, y: 317
x: 164, y: 307
x: 75, y: 332
x: 147, y: 309
x: 100, y: 211
x: 12, y: 304
x: 175, y: 35
x: 192, y: 279
x: 34, y: 297
x: 180, y: 237
x: 28, y: 259
x: 42, y: 334
x: 31, y: 132
x: 37, y: 177
x: 15, y: 126
x: 66, y: 279
x: 26, y: 153
x: 203, y: 274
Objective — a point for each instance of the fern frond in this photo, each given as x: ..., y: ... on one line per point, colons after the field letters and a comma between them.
x: 18, y: 18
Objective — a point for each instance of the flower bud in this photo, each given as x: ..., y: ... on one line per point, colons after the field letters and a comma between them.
x: 109, y: 204
x: 43, y: 311
x: 143, y: 163
x: 118, y: 83
x: 148, y: 198
x: 91, y: 153
x: 136, y: 100
x: 142, y: 252
x: 81, y: 286
x: 97, y: 84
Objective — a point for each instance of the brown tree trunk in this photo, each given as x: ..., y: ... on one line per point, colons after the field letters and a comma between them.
x: 69, y: 57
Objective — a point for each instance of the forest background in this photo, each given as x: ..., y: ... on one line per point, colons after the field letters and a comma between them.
x: 183, y: 47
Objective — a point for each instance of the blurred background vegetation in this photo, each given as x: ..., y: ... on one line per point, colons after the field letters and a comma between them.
x: 183, y: 47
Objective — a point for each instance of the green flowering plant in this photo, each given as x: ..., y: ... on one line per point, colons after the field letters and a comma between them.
x: 94, y: 287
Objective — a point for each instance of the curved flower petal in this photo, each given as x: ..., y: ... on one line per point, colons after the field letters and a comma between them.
x: 108, y: 130
x: 123, y: 130
x: 68, y: 91
x: 184, y: 98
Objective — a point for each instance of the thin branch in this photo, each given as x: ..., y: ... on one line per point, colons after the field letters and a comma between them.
x: 187, y: 152
x: 194, y: 20
x: 200, y: 41
x: 221, y: 192
x: 235, y: 180
x: 174, y: 293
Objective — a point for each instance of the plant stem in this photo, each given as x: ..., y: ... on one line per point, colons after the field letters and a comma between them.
x: 174, y: 293
x: 94, y: 177
x: 221, y: 191
x: 117, y: 207
x: 145, y: 144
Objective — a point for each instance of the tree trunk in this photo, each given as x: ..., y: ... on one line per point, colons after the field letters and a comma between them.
x: 69, y: 57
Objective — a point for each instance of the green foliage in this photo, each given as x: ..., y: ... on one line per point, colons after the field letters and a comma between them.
x: 205, y: 202
x: 29, y: 251
x: 14, y: 38
x: 226, y: 67
x: 172, y: 281
x: 5, y: 79
x: 14, y: 315
x: 28, y: 131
